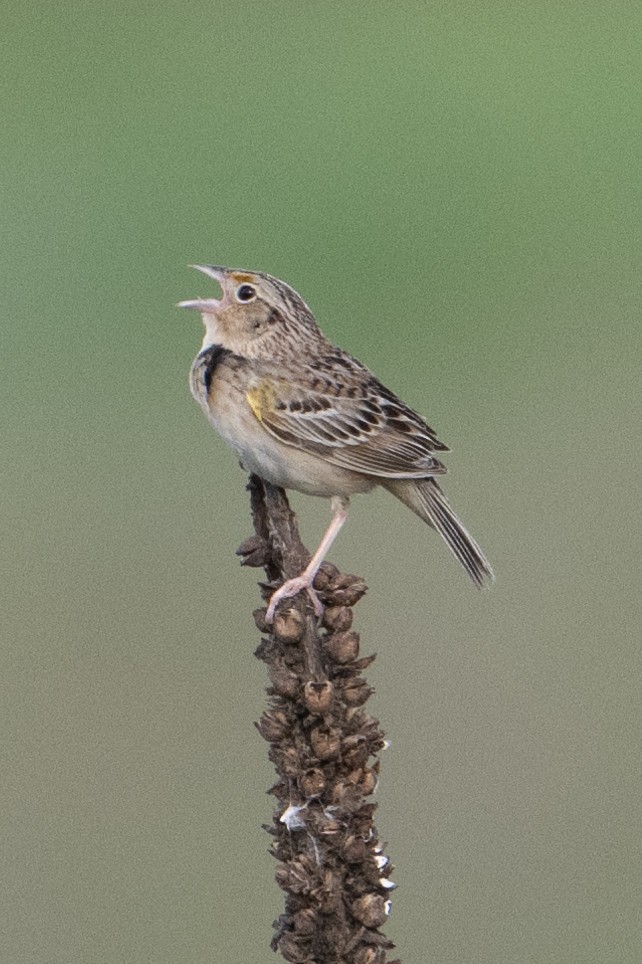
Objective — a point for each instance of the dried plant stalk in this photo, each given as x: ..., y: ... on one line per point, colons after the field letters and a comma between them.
x: 324, y: 746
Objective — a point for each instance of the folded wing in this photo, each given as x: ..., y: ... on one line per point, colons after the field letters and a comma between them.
x: 350, y: 419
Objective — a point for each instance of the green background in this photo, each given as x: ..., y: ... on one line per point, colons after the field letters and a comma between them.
x: 455, y: 190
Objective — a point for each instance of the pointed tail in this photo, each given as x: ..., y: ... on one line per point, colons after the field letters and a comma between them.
x: 426, y: 499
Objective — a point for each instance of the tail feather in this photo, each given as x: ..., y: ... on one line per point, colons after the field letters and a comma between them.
x: 426, y: 499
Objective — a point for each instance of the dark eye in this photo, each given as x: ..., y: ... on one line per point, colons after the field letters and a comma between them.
x: 245, y: 293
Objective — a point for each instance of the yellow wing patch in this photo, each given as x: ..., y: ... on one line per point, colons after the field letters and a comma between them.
x: 261, y: 399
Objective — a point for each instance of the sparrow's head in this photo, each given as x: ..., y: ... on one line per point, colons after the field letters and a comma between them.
x: 255, y: 310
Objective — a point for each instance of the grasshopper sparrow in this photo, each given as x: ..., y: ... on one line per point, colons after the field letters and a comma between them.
x: 303, y: 414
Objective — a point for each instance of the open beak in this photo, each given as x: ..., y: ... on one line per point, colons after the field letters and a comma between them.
x: 205, y: 304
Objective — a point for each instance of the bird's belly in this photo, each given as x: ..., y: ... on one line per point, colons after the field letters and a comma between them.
x: 281, y: 464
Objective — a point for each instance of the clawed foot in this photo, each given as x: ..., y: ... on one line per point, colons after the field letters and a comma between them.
x: 289, y: 589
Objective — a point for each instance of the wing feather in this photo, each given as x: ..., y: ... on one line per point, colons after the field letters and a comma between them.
x: 345, y: 415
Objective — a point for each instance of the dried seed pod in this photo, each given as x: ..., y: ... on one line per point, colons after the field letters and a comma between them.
x: 282, y: 876
x: 317, y: 696
x: 337, y: 618
x: 254, y: 551
x: 287, y: 761
x: 345, y: 590
x: 305, y: 921
x: 359, y: 739
x: 296, y: 876
x: 327, y: 572
x: 354, y: 849
x: 356, y: 692
x: 273, y: 725
x: 369, y: 782
x: 282, y: 786
x: 354, y: 778
x: 325, y: 743
x: 364, y: 662
x: 312, y: 783
x: 356, y: 757
x: 369, y: 954
x: 288, y: 626
x: 294, y: 948
x: 370, y: 910
x: 345, y: 796
x: 327, y: 824
x: 342, y: 647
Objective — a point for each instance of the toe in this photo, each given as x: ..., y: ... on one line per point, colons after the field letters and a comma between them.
x: 316, y: 602
x: 291, y: 588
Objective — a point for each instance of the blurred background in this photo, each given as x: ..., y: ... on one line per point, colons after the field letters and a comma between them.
x: 456, y: 193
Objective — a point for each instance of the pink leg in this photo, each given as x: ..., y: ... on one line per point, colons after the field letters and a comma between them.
x: 305, y: 580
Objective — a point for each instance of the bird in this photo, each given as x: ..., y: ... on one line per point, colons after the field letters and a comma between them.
x: 303, y: 414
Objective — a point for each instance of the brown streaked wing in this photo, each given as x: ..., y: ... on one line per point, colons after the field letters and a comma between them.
x: 358, y: 425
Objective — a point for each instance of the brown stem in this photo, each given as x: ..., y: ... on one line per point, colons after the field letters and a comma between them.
x: 325, y: 747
